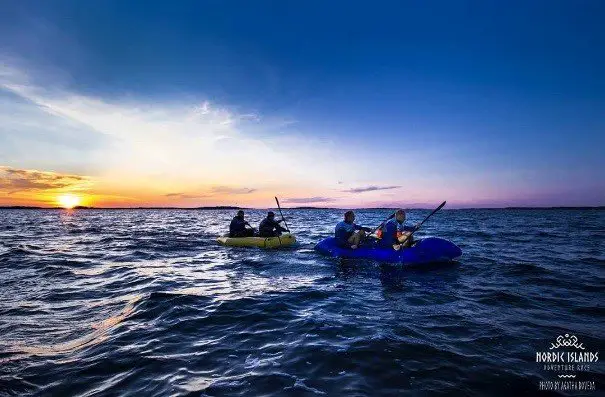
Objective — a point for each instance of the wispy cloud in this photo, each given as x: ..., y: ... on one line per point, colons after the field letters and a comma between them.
x: 186, y: 196
x: 215, y: 191
x: 14, y: 180
x: 370, y: 189
x: 309, y: 200
x: 137, y: 147
x: 232, y: 190
x: 182, y: 139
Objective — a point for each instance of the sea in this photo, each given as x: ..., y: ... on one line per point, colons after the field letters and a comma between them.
x: 144, y: 302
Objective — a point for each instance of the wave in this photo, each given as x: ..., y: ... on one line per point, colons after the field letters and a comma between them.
x: 144, y: 302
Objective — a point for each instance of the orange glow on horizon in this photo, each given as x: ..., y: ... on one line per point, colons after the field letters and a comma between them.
x: 68, y: 201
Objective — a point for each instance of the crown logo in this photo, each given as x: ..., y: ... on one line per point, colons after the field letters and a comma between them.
x: 567, y: 341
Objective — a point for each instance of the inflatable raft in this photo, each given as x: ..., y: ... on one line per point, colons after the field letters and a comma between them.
x: 428, y: 250
x: 285, y: 240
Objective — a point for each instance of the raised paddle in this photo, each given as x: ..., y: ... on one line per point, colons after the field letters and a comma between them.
x: 420, y: 224
x: 282, y: 215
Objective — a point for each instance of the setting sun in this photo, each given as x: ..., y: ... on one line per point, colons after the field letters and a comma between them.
x: 68, y: 200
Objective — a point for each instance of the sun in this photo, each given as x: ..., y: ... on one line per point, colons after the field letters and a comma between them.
x: 68, y: 200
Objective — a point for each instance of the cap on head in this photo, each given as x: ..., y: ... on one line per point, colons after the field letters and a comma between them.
x: 240, y: 213
x: 349, y: 215
x: 270, y: 214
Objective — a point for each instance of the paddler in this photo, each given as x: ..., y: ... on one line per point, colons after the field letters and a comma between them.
x: 394, y: 232
x: 269, y: 227
x: 237, y: 228
x: 348, y: 234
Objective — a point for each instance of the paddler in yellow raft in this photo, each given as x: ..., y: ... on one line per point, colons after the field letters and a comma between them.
x: 241, y: 234
x: 269, y: 227
x: 237, y: 228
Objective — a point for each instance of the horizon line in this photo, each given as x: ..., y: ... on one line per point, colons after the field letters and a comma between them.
x: 227, y: 207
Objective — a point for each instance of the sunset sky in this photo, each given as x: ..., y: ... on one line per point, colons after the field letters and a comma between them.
x: 340, y: 104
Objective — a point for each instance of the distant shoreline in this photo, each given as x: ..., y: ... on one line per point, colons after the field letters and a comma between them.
x: 26, y: 207
x: 21, y: 207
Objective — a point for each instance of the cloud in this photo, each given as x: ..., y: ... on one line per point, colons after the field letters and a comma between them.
x: 186, y: 196
x: 370, y: 189
x: 17, y: 180
x: 232, y: 190
x: 214, y: 191
x: 181, y: 139
x: 308, y: 200
x: 138, y: 146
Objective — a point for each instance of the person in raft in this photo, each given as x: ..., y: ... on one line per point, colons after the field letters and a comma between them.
x: 269, y: 227
x: 394, y: 232
x: 348, y: 234
x: 237, y: 228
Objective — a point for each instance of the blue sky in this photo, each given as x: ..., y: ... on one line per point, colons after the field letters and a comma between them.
x: 481, y: 103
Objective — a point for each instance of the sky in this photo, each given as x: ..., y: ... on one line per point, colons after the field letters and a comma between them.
x: 334, y: 104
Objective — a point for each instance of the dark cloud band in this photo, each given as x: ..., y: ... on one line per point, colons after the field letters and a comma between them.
x: 16, y: 180
x: 370, y: 189
x: 308, y: 200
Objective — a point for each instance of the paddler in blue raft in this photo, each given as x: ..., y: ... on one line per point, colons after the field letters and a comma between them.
x: 394, y: 232
x: 348, y: 234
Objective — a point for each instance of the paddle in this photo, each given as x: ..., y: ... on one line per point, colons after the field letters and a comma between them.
x: 282, y: 215
x: 420, y: 224
x: 382, y: 223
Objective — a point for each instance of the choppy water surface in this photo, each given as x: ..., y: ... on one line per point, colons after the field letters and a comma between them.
x: 144, y: 302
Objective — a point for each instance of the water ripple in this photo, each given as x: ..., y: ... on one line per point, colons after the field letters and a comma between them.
x: 144, y: 302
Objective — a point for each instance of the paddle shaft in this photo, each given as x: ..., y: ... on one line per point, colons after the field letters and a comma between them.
x: 383, y: 222
x: 282, y: 215
x: 420, y: 224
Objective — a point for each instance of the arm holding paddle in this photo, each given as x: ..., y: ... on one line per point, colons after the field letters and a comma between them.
x: 417, y: 227
x: 395, y: 234
x: 382, y: 224
x: 282, y: 215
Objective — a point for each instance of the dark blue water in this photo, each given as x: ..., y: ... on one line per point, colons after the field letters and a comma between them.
x: 144, y: 302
